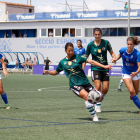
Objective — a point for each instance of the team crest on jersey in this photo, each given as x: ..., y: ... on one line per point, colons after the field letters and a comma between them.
x: 78, y: 88
x: 70, y: 63
x: 96, y: 76
x: 131, y: 56
x: 99, y: 50
x: 127, y: 59
x: 103, y: 48
x: 74, y: 60
x: 65, y: 63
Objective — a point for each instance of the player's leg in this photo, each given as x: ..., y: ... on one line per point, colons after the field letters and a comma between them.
x: 120, y: 85
x: 96, y: 78
x: 82, y: 93
x: 129, y: 84
x: 3, y: 95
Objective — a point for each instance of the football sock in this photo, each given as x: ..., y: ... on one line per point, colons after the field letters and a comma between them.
x: 136, y: 101
x: 90, y: 108
x: 120, y: 84
x: 4, y: 97
x: 98, y: 105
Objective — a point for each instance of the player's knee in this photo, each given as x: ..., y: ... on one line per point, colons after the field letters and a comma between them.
x: 1, y: 90
x: 105, y: 90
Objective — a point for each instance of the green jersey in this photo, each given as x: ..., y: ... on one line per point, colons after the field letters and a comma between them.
x: 99, y: 53
x: 73, y: 70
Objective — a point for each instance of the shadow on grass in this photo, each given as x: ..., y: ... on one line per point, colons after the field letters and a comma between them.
x: 11, y: 108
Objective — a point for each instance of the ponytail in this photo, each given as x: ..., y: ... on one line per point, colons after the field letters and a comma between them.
x: 134, y: 39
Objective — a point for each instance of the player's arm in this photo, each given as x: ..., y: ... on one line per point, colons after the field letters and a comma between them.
x: 113, y: 56
x: 54, y: 72
x: 116, y: 59
x: 3, y: 66
x: 50, y: 62
x: 138, y: 70
x: 95, y: 63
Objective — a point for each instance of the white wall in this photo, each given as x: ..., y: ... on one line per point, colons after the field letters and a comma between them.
x: 53, y: 47
x: 2, y: 11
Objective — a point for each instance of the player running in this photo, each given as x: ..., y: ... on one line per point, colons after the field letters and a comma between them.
x: 98, y: 49
x: 131, y: 68
x: 3, y: 94
x: 79, y: 83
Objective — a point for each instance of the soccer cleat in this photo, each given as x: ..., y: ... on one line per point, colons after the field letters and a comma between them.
x: 8, y: 107
x: 95, y: 118
x: 119, y: 90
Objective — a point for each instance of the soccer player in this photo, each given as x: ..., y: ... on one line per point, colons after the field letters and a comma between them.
x: 98, y: 49
x: 80, y: 50
x: 120, y: 85
x: 79, y: 83
x: 131, y: 68
x: 3, y: 94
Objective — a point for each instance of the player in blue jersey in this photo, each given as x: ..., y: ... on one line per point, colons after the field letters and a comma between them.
x: 3, y: 94
x: 79, y: 50
x: 131, y: 68
x: 79, y: 83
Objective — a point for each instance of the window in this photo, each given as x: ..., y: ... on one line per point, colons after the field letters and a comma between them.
x: 78, y: 33
x: 88, y: 32
x: 65, y: 32
x: 50, y: 32
x: 113, y: 31
x: 72, y: 32
x: 137, y: 31
x: 58, y: 32
x: 105, y: 31
x: 43, y: 32
x: 122, y: 32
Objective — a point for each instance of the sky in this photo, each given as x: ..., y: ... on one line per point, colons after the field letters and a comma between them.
x: 93, y: 5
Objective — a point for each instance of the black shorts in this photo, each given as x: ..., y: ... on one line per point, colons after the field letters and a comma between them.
x: 46, y: 67
x: 77, y: 89
x: 100, y: 75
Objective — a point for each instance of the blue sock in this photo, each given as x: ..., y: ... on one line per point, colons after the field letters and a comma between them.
x: 4, y: 97
x: 136, y: 101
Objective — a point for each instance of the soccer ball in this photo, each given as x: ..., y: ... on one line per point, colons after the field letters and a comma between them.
x: 94, y: 97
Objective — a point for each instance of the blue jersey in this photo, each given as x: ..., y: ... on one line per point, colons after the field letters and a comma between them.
x: 1, y: 56
x: 130, y: 60
x: 79, y: 51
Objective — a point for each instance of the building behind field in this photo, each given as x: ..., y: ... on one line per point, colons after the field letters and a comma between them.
x: 7, y: 8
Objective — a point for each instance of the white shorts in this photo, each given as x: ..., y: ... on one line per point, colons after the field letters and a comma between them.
x: 0, y: 76
x: 137, y: 77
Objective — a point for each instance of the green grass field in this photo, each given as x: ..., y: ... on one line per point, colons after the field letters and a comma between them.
x: 55, y: 113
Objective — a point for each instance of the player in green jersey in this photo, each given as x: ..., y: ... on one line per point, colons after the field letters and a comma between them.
x: 98, y: 49
x: 79, y: 83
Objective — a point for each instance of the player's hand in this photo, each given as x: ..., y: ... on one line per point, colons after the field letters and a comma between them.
x: 108, y: 67
x: 5, y: 73
x: 45, y: 71
x: 113, y: 60
x: 133, y: 74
